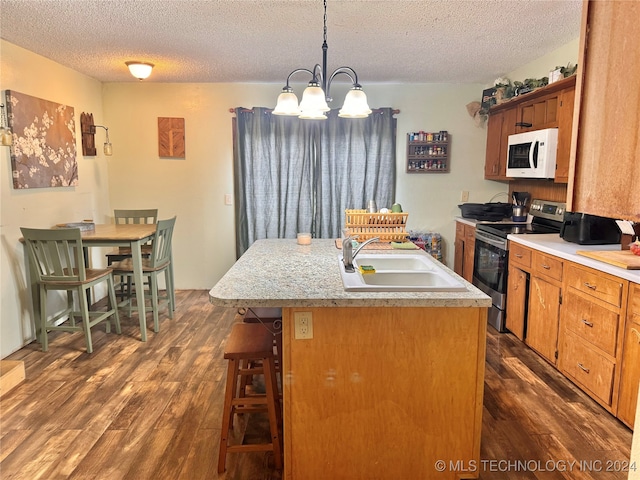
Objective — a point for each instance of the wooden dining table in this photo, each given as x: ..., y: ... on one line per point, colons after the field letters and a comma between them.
x: 126, y: 235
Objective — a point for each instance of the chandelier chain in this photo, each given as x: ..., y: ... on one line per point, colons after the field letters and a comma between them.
x: 325, y: 22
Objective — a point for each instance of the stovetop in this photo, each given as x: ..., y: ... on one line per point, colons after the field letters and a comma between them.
x: 546, y: 216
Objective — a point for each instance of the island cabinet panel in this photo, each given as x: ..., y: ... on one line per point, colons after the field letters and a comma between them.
x: 386, y: 392
x: 630, y: 377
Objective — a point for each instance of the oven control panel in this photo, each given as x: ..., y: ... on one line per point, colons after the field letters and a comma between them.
x: 547, y: 209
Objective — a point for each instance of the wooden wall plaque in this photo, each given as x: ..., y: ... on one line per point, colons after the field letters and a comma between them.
x: 88, y: 135
x: 171, y: 137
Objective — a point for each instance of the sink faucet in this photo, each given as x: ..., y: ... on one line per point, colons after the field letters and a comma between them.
x: 348, y: 255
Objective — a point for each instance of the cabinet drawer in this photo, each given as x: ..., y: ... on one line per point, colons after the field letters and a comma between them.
x: 460, y: 229
x: 596, y: 284
x: 519, y: 255
x: 587, y: 367
x: 547, y: 265
x: 594, y: 323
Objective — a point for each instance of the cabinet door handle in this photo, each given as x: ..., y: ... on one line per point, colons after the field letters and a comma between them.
x: 636, y: 333
x: 524, y: 124
x: 588, y: 324
x: 546, y: 267
x: 588, y: 285
x: 583, y: 368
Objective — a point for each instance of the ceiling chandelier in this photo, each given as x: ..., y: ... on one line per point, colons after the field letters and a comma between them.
x: 316, y: 96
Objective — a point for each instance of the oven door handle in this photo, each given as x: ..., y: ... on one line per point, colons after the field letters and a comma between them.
x: 502, y: 244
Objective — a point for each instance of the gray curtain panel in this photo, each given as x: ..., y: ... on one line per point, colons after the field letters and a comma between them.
x: 295, y: 175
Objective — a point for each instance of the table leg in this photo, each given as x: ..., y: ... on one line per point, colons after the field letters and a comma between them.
x: 138, y: 283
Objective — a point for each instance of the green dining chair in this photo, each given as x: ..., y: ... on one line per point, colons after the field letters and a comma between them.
x: 158, y: 262
x: 56, y: 261
x: 122, y: 216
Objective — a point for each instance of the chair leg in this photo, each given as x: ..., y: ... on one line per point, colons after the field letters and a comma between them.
x: 44, y: 339
x: 84, y: 309
x: 153, y: 286
x: 72, y: 319
x: 114, y: 304
x: 169, y: 285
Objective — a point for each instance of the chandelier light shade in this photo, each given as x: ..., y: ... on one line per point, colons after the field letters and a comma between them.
x: 316, y: 97
x: 140, y: 70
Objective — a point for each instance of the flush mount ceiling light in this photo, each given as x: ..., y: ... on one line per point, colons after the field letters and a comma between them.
x: 140, y: 70
x: 316, y: 96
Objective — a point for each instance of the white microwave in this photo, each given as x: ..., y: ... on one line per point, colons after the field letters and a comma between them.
x: 532, y: 154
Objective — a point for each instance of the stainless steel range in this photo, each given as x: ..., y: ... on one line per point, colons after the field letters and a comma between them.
x: 491, y: 260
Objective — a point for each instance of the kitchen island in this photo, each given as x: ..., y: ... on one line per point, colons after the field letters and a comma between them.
x: 389, y: 385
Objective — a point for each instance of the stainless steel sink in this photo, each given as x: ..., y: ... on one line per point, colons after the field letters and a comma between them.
x: 399, y: 272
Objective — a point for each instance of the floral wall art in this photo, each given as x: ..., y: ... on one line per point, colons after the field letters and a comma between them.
x: 44, y: 142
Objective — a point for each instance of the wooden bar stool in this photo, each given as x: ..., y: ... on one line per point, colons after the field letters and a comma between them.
x: 272, y: 318
x: 249, y: 350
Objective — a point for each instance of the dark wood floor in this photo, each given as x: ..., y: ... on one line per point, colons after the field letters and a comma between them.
x: 135, y: 410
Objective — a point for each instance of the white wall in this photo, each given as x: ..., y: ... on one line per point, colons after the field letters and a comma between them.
x: 34, y: 75
x: 542, y: 66
x: 193, y: 188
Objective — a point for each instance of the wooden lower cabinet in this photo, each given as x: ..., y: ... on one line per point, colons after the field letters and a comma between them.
x: 583, y: 321
x: 593, y: 313
x: 587, y: 367
x: 517, y: 289
x: 630, y: 377
x: 543, y: 318
x: 465, y: 244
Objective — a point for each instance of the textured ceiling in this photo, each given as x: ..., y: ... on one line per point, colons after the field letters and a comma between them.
x: 453, y: 41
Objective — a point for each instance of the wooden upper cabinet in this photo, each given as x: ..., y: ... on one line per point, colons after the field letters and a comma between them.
x: 538, y: 114
x: 499, y: 126
x: 547, y: 107
x: 565, y: 121
x: 605, y: 150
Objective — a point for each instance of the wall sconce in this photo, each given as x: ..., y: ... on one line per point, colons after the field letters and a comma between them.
x: 140, y: 70
x: 88, y: 132
x: 107, y: 148
x: 6, y: 137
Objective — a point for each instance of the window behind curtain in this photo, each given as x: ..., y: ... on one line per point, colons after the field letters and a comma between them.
x: 295, y: 175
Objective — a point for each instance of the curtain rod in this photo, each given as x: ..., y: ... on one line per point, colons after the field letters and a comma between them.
x: 250, y: 110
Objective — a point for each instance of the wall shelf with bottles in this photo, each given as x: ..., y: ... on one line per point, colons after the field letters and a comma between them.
x: 428, y: 152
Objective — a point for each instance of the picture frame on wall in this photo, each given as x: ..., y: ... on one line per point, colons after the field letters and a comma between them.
x: 43, y: 154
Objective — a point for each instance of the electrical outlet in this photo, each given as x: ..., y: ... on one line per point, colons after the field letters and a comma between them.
x: 228, y: 199
x: 464, y: 196
x: 303, y: 325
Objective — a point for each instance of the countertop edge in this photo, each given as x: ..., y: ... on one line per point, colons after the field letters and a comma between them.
x: 554, y: 245
x: 280, y: 273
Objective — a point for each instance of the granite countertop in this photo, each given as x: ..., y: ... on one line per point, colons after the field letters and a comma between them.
x: 552, y: 244
x: 281, y: 273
